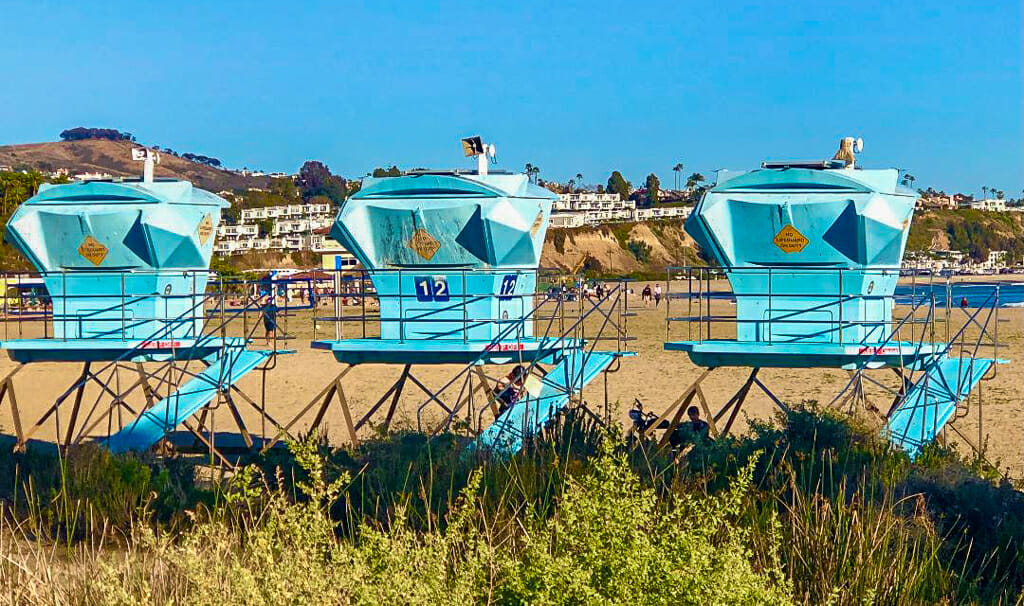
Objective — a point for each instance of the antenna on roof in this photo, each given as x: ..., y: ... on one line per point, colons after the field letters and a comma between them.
x: 148, y: 157
x: 475, y: 147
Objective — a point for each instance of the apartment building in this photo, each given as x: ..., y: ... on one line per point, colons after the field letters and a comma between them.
x: 291, y: 211
x: 992, y: 204
x: 588, y: 208
x: 293, y: 227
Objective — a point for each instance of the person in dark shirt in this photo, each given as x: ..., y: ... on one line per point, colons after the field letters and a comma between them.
x: 690, y: 431
x: 269, y: 312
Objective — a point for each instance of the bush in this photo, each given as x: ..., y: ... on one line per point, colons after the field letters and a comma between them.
x: 641, y: 251
x: 814, y: 506
x: 612, y: 542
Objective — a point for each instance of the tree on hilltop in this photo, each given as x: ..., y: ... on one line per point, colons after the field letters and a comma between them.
x: 617, y: 184
x: 652, y: 185
x: 693, y: 183
x: 678, y: 170
x: 201, y: 159
x: 315, y: 179
x: 394, y: 171
x: 80, y: 133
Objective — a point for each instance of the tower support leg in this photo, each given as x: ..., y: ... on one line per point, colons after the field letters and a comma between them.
x: 7, y: 391
x: 686, y: 396
x: 323, y: 399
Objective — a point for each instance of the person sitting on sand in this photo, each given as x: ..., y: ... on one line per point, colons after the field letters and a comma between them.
x: 691, y: 431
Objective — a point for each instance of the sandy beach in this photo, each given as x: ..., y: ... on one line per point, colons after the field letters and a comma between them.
x: 656, y: 377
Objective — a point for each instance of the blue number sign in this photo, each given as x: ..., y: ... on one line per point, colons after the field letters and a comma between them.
x: 432, y: 288
x: 508, y: 287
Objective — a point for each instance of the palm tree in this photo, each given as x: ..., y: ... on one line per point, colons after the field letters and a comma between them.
x: 693, y: 180
x: 571, y: 185
x: 677, y: 169
x: 908, y: 180
x: 529, y: 172
x: 579, y: 180
x: 984, y: 192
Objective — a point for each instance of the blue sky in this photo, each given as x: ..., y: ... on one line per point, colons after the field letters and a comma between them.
x: 932, y: 86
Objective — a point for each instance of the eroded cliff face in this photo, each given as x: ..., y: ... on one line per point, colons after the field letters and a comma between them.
x: 620, y: 248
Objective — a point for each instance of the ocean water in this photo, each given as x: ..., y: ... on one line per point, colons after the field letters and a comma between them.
x: 977, y: 294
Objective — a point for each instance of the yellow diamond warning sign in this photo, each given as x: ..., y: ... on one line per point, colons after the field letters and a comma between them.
x: 205, y: 229
x: 424, y: 244
x: 790, y: 240
x: 93, y: 250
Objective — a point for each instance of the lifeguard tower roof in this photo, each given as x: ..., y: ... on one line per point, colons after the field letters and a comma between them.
x: 812, y: 251
x: 837, y: 217
x: 123, y: 260
x: 125, y: 224
x: 446, y: 219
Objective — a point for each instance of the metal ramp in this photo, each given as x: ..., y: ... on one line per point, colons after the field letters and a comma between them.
x: 932, y: 400
x: 545, y: 398
x: 153, y: 424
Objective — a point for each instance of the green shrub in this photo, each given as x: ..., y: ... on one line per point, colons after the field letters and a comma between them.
x: 641, y: 251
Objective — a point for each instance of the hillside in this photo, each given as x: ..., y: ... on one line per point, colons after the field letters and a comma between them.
x: 648, y: 248
x: 972, y: 231
x: 114, y: 157
x: 621, y: 248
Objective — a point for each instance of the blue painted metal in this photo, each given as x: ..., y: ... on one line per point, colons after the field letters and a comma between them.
x: 394, y: 351
x: 812, y: 256
x: 932, y: 400
x: 104, y: 350
x: 451, y: 256
x: 121, y: 260
x: 226, y: 368
x: 853, y: 220
x: 542, y: 402
x: 716, y: 353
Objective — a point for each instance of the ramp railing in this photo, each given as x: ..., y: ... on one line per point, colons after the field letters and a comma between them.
x: 202, y: 327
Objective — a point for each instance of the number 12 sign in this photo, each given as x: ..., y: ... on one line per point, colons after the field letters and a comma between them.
x: 508, y: 287
x: 432, y: 288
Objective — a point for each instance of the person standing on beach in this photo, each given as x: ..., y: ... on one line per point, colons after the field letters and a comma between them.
x: 269, y: 312
x: 645, y: 295
x: 657, y: 294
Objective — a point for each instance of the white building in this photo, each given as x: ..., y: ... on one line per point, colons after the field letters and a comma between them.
x: 661, y: 212
x: 293, y: 227
x: 992, y: 204
x: 996, y: 259
x: 587, y: 208
x: 93, y: 176
x: 568, y: 220
x: 593, y: 207
x: 291, y: 211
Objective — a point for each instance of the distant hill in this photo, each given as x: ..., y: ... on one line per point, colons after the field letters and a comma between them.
x: 642, y: 249
x: 114, y: 157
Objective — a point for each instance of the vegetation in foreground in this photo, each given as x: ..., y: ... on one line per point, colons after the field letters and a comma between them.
x: 813, y: 509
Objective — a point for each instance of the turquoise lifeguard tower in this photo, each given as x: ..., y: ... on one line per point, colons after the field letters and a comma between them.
x: 125, y: 263
x: 452, y: 259
x: 812, y: 253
